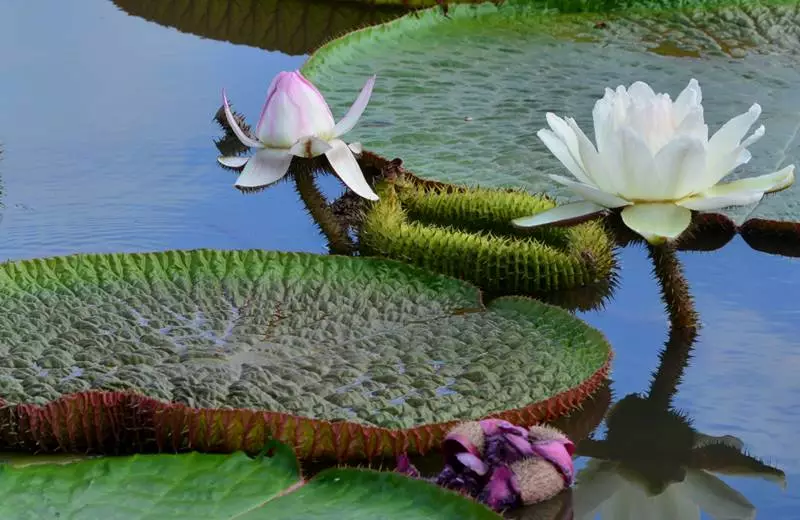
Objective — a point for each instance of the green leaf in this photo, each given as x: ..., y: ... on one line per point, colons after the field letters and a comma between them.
x: 289, y: 26
x: 460, y: 98
x: 364, y: 342
x: 210, y: 486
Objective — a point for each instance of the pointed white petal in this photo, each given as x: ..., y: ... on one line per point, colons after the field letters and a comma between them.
x: 755, y: 136
x: 716, y: 498
x: 346, y: 167
x: 741, y: 192
x: 657, y: 222
x: 558, y: 148
x: 243, y: 138
x: 639, y: 174
x: 680, y: 165
x: 309, y: 147
x: 352, y: 116
x: 592, y: 164
x: 713, y: 203
x: 356, y: 148
x: 590, y: 193
x: 233, y: 161
x: 730, y: 135
x: 264, y: 168
x: 687, y: 101
x: 573, y: 212
x: 566, y: 135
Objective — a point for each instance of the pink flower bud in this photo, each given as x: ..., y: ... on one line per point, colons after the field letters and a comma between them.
x: 294, y: 109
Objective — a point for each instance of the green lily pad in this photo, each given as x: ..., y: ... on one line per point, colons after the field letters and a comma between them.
x: 289, y: 26
x: 367, y: 342
x: 462, y: 97
x: 221, y: 487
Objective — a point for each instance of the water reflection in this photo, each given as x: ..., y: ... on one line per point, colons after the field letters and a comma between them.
x: 290, y: 26
x: 652, y: 463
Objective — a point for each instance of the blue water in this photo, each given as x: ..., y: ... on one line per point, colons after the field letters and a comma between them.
x: 107, y: 136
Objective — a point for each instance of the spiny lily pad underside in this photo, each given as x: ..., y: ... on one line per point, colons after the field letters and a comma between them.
x: 342, y: 339
x: 461, y: 98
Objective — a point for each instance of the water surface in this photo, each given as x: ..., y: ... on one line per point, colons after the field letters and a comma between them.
x: 107, y: 136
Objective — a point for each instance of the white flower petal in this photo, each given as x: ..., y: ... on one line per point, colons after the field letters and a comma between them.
x: 590, y: 193
x: 567, y: 135
x: 712, y: 203
x: 265, y: 167
x: 593, y: 165
x: 754, y: 137
x: 730, y: 135
x: 233, y: 161
x: 243, y: 138
x: 309, y: 147
x: 717, y: 498
x: 680, y: 166
x: 559, y: 148
x: 567, y: 213
x: 687, y: 101
x: 347, y: 168
x: 356, y: 148
x: 641, y: 92
x: 348, y: 122
x: 639, y: 175
x: 657, y: 222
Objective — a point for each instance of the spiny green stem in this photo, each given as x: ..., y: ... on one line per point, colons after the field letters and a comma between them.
x: 675, y: 356
x: 339, y: 242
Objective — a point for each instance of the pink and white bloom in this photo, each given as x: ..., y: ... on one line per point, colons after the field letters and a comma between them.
x: 296, y: 121
x: 654, y: 159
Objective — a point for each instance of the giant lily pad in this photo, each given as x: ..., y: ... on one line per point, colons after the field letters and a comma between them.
x: 220, y: 487
x: 290, y: 26
x: 463, y: 96
x: 377, y: 347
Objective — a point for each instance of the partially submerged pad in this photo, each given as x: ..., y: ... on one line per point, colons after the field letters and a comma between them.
x: 387, y: 351
x: 220, y: 487
x: 290, y: 26
x: 460, y: 98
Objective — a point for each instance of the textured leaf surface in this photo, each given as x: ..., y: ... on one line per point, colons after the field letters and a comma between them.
x: 337, y: 338
x: 221, y: 487
x: 462, y: 97
x: 290, y: 26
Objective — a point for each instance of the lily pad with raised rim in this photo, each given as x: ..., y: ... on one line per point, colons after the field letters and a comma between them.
x: 376, y: 346
x: 464, y: 95
x: 220, y: 487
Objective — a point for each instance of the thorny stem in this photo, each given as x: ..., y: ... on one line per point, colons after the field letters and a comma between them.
x: 339, y: 242
x: 675, y: 356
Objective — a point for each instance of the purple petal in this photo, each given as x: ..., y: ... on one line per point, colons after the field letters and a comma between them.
x: 502, y: 491
x: 405, y: 467
x: 559, y: 454
x: 473, y: 463
x: 455, y: 443
x: 495, y: 426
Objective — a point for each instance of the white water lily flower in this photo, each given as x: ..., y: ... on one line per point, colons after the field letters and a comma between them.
x: 297, y: 121
x: 655, y: 160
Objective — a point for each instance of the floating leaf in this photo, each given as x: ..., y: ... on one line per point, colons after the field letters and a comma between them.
x: 463, y: 96
x: 220, y: 487
x: 389, y: 352
x: 290, y: 26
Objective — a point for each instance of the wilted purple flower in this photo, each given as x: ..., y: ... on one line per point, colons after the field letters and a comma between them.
x: 405, y: 467
x: 502, y: 491
x: 505, y: 443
